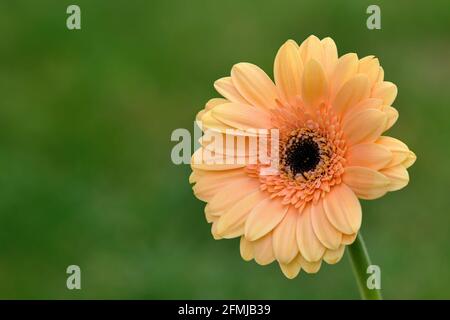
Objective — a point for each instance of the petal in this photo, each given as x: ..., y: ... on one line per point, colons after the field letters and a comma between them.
x: 399, y: 150
x: 209, y: 184
x: 229, y: 195
x: 324, y: 230
x: 311, y: 48
x: 234, y: 218
x: 371, y: 67
x: 308, y: 243
x: 387, y: 91
x: 330, y: 55
x: 246, y: 249
x: 227, y: 89
x: 392, y: 116
x: 366, y: 183
x: 310, y: 267
x: 346, y: 68
x: 263, y: 250
x: 364, y: 126
x: 292, y: 269
x: 202, y: 160
x: 348, y: 238
x: 334, y: 256
x: 208, y: 122
x: 370, y: 155
x: 409, y: 160
x: 398, y: 177
x: 263, y: 218
x: 254, y: 85
x: 352, y: 92
x: 242, y: 116
x: 314, y: 84
x: 284, y: 237
x: 288, y: 70
x: 343, y: 209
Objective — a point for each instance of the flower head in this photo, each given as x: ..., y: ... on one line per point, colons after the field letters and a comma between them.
x: 331, y: 114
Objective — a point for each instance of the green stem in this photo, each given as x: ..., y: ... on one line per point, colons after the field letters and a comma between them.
x: 360, y: 260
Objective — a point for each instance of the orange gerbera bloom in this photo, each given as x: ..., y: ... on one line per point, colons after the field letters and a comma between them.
x: 331, y: 113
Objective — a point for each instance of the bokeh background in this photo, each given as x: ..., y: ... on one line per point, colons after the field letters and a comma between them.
x: 85, y: 124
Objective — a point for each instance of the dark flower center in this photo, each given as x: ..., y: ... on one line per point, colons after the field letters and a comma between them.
x: 301, y: 155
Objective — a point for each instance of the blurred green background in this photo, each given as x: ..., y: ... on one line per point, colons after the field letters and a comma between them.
x: 85, y: 124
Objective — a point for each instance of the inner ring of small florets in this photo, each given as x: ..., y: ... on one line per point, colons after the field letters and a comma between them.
x: 304, y: 155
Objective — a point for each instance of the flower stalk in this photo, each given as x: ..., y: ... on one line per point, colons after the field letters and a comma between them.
x: 360, y: 261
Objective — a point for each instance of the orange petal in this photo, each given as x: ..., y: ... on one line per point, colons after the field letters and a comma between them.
x: 263, y: 218
x: 370, y: 155
x: 392, y: 116
x: 366, y: 183
x: 352, y: 92
x: 288, y: 70
x: 254, y: 85
x: 234, y: 218
x: 399, y: 150
x: 314, y: 84
x: 343, y: 209
x: 308, y: 243
x: 292, y: 269
x: 324, y: 230
x: 334, y: 256
x: 263, y: 250
x: 364, y: 126
x: 310, y: 267
x: 246, y: 249
x: 209, y: 184
x: 330, y: 55
x: 346, y: 67
x: 284, y: 237
x: 227, y: 89
x: 229, y: 195
x: 387, y: 91
x: 398, y: 177
x: 242, y: 116
x: 311, y: 48
x: 371, y: 67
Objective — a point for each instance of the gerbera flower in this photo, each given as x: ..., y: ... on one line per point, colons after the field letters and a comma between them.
x: 331, y: 113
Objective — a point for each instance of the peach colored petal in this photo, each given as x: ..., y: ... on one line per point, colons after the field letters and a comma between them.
x: 346, y: 68
x: 370, y: 155
x: 234, y: 218
x: 314, y: 84
x: 246, y: 249
x: 399, y: 150
x: 330, y: 55
x: 334, y: 256
x: 254, y: 85
x: 264, y: 218
x: 398, y: 177
x: 371, y: 67
x: 210, y: 184
x: 309, y: 245
x: 409, y: 160
x: 387, y: 91
x: 343, y: 209
x: 311, y: 48
x: 392, y: 116
x: 229, y: 195
x: 208, y: 121
x: 288, y: 70
x: 310, y: 267
x: 292, y: 269
x: 366, y: 183
x: 242, y: 116
x: 352, y: 92
x: 284, y: 237
x: 348, y: 238
x: 201, y: 161
x: 364, y: 126
x: 226, y: 88
x: 324, y: 230
x: 263, y: 250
